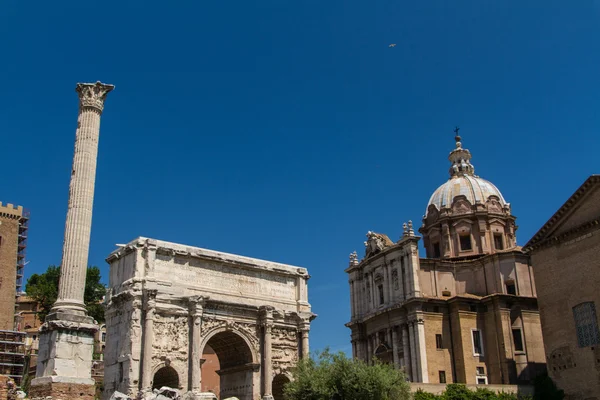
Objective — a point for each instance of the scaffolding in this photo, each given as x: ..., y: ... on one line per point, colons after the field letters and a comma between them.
x: 12, y: 355
x: 22, y: 245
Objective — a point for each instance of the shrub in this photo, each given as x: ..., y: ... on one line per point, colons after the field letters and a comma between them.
x: 421, y: 395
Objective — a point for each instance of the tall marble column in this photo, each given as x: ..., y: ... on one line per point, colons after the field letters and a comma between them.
x: 148, y: 338
x: 196, y: 311
x: 81, y: 198
x: 67, y: 335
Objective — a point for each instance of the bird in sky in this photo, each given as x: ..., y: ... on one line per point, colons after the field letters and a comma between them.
x: 392, y: 45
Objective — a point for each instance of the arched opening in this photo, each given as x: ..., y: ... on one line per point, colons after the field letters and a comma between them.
x: 166, y: 376
x: 279, y: 383
x: 227, y: 367
x: 210, y: 366
x: 384, y: 354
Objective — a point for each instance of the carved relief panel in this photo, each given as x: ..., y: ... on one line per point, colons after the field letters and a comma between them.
x: 171, y: 336
x: 285, y: 348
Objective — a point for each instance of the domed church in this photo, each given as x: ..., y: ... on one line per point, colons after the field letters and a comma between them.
x: 467, y: 313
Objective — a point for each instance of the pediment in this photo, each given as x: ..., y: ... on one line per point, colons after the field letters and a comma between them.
x: 493, y: 205
x: 462, y: 221
x: 497, y: 221
x: 460, y: 205
x: 587, y: 209
x: 582, y: 207
x: 432, y: 214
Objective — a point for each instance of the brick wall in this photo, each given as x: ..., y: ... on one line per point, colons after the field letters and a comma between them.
x: 9, y: 234
x: 568, y: 274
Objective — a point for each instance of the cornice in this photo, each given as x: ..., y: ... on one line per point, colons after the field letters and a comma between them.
x: 541, y: 236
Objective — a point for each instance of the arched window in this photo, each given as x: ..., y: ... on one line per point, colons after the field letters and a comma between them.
x: 586, y: 324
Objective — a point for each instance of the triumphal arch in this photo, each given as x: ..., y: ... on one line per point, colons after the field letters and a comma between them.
x: 172, y: 307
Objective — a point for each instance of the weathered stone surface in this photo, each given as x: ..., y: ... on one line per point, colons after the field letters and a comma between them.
x: 67, y: 337
x: 61, y: 390
x: 168, y: 302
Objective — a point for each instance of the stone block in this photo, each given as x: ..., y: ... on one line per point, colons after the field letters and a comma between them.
x: 61, y: 389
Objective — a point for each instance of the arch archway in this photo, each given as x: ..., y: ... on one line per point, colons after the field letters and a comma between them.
x: 165, y: 376
x: 384, y: 354
x: 279, y: 383
x: 228, y: 365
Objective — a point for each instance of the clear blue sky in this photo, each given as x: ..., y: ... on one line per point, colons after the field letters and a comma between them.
x: 286, y: 130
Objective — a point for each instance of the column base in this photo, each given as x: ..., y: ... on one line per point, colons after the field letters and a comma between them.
x: 65, y: 349
x: 268, y: 397
x: 62, y: 388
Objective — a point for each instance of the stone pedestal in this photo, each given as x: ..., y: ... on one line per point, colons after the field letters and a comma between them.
x: 65, y: 358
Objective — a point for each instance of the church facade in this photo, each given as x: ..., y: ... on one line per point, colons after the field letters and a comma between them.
x: 468, y: 312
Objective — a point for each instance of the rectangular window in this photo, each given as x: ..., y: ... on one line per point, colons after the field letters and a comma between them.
x: 381, y: 299
x: 438, y: 341
x: 480, y: 371
x: 498, y: 242
x: 103, y: 337
x: 436, y: 250
x: 477, y: 342
x: 465, y: 242
x: 586, y: 324
x: 518, y: 339
x: 511, y: 288
x: 482, y: 380
x: 442, y: 376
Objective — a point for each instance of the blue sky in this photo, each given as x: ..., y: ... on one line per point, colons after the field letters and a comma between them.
x: 286, y: 130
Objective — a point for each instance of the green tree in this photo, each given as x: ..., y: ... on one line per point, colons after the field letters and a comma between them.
x: 421, y: 395
x: 44, y: 289
x: 335, y: 376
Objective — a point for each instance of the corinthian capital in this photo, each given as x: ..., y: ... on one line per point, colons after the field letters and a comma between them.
x: 93, y: 94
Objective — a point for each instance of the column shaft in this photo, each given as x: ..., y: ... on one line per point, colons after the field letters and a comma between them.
x: 395, y: 348
x: 268, y: 361
x: 406, y: 350
x: 147, y: 346
x: 422, y: 350
x: 78, y: 224
x: 196, y: 356
x: 413, y: 355
x: 305, y: 348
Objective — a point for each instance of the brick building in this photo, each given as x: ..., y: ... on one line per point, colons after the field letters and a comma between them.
x: 13, y: 241
x: 565, y: 254
x: 466, y: 313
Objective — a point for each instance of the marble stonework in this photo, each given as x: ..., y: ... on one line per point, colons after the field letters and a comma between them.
x: 64, y: 361
x: 167, y: 302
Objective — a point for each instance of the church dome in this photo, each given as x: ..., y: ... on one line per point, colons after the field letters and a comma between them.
x: 463, y: 181
x: 474, y: 188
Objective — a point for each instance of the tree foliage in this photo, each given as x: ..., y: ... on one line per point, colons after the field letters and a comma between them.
x: 335, y: 376
x: 44, y: 289
x: 457, y: 391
